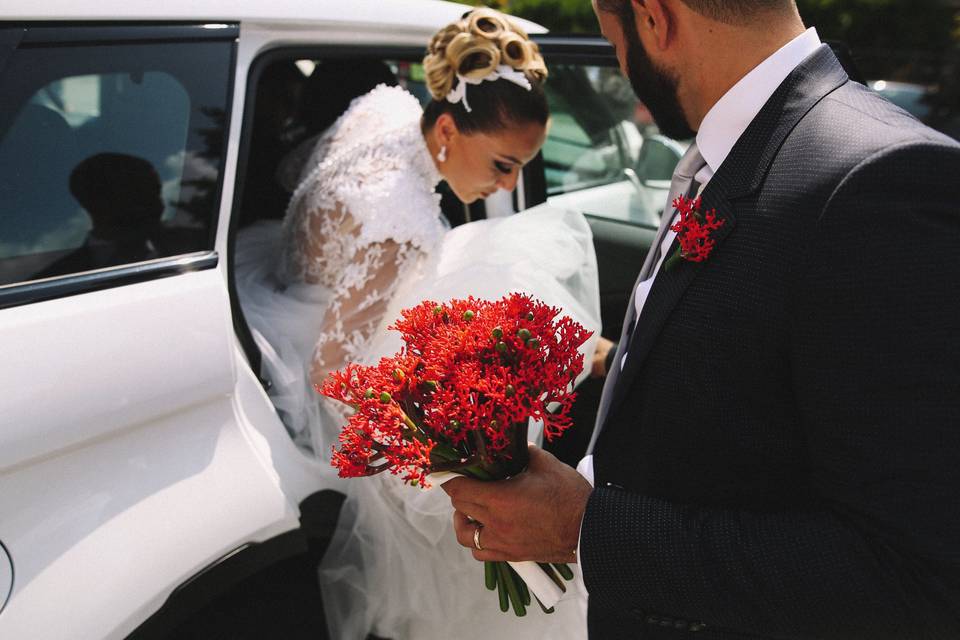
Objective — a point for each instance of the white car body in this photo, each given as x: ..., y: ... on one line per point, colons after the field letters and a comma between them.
x: 139, y: 447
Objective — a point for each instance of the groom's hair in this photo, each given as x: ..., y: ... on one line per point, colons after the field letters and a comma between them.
x: 735, y: 12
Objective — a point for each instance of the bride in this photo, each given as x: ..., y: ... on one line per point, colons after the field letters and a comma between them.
x: 364, y: 237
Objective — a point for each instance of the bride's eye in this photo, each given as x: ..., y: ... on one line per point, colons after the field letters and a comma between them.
x: 502, y: 167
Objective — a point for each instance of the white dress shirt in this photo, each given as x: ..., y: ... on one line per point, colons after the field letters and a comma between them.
x: 721, y: 128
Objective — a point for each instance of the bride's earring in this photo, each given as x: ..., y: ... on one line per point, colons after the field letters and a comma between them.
x: 442, y: 156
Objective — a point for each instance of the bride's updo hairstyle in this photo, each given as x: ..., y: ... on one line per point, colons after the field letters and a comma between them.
x: 473, y: 47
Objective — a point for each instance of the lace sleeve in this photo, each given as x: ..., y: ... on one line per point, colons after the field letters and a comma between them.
x: 362, y: 293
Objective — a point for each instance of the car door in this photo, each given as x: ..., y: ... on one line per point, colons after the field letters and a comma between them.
x: 604, y: 157
x: 124, y: 469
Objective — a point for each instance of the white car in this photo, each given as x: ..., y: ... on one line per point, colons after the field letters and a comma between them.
x: 146, y: 480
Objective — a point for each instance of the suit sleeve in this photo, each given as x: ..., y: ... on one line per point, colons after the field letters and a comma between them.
x: 875, y: 358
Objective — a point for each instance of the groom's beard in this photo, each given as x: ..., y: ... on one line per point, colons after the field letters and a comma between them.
x: 656, y: 88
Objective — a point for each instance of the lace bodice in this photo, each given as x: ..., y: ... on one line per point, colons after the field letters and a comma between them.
x: 363, y: 215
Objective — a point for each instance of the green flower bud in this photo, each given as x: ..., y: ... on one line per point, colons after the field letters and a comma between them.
x: 432, y: 385
x: 533, y: 343
x: 468, y: 315
x: 398, y: 375
x: 437, y: 310
x: 510, y: 391
x: 523, y: 334
x: 530, y: 316
x: 454, y: 424
x: 369, y: 393
x: 497, y: 333
x: 385, y: 398
x: 502, y: 347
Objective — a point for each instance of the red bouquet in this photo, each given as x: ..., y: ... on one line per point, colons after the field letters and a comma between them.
x: 458, y: 397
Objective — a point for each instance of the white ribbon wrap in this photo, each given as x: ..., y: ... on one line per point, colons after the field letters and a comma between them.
x: 506, y: 72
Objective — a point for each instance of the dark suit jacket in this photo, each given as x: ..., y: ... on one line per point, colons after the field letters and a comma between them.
x: 780, y: 457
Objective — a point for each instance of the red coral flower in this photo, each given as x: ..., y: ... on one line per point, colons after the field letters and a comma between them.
x: 460, y: 393
x: 693, y: 231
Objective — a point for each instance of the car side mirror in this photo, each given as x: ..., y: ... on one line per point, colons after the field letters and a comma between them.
x: 657, y: 159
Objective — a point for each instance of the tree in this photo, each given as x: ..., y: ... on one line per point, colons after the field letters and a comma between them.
x: 897, y: 24
x: 895, y: 39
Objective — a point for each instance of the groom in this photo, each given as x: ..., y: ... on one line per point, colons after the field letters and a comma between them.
x: 777, y: 453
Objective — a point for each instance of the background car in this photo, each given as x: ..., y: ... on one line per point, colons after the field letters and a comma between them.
x: 909, y: 96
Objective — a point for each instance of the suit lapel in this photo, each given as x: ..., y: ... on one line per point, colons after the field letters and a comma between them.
x: 740, y: 174
x: 667, y: 290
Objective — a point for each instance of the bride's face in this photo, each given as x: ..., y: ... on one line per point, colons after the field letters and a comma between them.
x: 480, y: 163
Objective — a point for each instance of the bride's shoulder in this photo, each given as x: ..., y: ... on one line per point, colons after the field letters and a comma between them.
x: 397, y: 207
x: 389, y: 102
x: 380, y: 111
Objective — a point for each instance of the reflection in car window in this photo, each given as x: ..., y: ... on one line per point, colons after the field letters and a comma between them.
x: 604, y: 155
x: 109, y: 155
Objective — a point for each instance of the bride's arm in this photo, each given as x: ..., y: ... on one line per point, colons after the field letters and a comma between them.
x: 362, y: 295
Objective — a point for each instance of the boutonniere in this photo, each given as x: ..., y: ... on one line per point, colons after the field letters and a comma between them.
x: 693, y: 230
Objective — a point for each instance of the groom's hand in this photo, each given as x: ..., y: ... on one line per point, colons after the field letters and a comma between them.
x: 533, y: 516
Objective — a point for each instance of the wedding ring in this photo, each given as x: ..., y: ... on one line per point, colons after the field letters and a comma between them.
x: 476, y: 537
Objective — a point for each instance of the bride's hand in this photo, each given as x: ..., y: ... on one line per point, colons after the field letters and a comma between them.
x: 599, y: 368
x: 533, y: 516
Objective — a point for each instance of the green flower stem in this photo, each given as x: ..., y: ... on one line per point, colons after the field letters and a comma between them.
x: 543, y: 608
x: 408, y: 421
x: 524, y: 590
x: 455, y: 465
x: 672, y: 261
x: 506, y: 578
x: 502, y: 589
x: 553, y: 576
x: 564, y: 570
x: 490, y: 574
x: 445, y: 453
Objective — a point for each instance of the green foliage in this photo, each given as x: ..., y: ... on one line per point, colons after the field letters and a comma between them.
x: 901, y: 24
x: 887, y: 24
x: 894, y: 39
x: 560, y: 16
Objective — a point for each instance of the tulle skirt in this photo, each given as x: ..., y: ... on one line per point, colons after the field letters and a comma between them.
x: 394, y: 567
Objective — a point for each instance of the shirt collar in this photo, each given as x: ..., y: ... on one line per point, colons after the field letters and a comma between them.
x: 732, y: 114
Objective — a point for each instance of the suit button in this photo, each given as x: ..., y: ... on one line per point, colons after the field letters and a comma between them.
x: 697, y: 626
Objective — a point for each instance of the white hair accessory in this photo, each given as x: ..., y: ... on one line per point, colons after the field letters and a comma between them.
x: 459, y: 94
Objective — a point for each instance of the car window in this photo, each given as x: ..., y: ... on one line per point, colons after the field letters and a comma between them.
x: 604, y: 155
x: 109, y: 154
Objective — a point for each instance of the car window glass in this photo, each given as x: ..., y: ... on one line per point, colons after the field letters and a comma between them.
x: 604, y: 155
x: 109, y: 155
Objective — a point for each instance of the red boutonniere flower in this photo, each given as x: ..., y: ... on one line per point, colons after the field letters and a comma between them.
x: 693, y: 230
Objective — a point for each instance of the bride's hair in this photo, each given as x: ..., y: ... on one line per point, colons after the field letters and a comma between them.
x: 473, y: 47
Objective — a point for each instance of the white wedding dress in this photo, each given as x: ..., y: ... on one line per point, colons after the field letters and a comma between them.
x: 363, y: 238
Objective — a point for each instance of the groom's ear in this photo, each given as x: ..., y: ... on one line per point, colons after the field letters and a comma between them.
x: 654, y: 21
